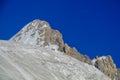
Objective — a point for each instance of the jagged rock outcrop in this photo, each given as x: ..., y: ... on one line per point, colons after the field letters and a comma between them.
x: 40, y: 33
x: 53, y: 37
x: 74, y: 53
x: 106, y: 65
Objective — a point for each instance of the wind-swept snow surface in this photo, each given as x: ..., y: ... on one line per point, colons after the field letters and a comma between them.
x: 25, y: 62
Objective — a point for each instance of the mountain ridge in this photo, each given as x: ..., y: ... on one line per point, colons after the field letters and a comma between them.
x: 40, y: 33
x: 49, y: 37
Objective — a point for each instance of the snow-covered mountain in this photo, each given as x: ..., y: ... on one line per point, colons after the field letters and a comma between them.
x: 38, y: 52
x: 33, y: 33
x: 27, y: 62
x: 40, y: 33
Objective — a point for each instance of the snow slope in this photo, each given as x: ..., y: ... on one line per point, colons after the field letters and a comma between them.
x: 25, y: 62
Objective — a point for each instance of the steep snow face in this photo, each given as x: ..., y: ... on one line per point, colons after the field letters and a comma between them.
x: 26, y: 62
x: 32, y: 33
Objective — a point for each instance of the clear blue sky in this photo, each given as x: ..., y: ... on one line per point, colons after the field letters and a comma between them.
x: 92, y: 26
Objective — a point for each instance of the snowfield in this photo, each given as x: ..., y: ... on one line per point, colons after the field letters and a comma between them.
x: 26, y: 62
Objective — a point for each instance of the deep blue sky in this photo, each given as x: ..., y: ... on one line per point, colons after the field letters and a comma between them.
x: 92, y: 26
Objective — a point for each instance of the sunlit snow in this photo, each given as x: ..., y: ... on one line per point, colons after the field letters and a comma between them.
x: 25, y: 62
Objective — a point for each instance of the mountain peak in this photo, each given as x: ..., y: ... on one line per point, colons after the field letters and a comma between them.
x: 33, y: 33
x: 40, y: 33
x: 39, y: 23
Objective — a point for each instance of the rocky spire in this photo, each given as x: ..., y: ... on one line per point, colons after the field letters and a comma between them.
x: 106, y: 65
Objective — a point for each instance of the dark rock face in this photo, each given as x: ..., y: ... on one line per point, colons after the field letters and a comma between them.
x: 106, y: 65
